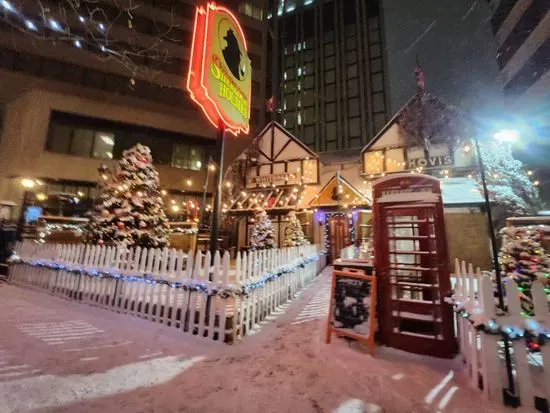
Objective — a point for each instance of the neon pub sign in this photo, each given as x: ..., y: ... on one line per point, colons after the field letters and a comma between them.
x: 220, y: 75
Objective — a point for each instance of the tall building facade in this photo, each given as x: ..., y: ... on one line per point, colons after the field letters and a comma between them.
x: 522, y: 36
x: 80, y: 85
x: 331, y: 69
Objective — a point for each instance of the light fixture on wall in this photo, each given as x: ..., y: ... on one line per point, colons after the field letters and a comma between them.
x: 27, y: 183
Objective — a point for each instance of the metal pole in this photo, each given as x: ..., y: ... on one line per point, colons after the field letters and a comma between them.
x: 498, y: 277
x: 201, y: 216
x: 216, y: 211
x: 490, y: 227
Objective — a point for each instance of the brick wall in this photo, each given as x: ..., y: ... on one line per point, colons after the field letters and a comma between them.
x: 467, y: 237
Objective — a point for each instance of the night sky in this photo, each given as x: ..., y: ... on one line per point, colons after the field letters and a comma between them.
x: 454, y: 44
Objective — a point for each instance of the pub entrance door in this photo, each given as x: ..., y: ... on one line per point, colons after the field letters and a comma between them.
x: 338, y: 235
x: 412, y: 266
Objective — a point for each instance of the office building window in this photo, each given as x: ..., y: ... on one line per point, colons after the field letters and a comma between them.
x: 251, y: 10
x: 92, y: 138
x: 187, y: 157
x: 80, y: 142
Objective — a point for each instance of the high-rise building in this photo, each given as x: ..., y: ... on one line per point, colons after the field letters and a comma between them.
x: 522, y: 36
x: 82, y: 82
x: 331, y: 69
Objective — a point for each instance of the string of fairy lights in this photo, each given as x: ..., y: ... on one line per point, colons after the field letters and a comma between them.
x: 378, y: 164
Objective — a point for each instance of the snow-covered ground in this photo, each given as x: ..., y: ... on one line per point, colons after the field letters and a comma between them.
x: 62, y: 356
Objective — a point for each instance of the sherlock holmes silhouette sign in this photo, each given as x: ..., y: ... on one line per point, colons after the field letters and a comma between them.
x: 220, y: 78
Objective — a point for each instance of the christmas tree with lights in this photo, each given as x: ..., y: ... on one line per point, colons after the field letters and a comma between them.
x: 523, y: 259
x: 130, y: 211
x: 294, y: 236
x: 262, y: 236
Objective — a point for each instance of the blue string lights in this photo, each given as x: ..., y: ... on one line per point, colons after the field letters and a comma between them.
x: 531, y: 331
x: 31, y: 24
x: 208, y: 287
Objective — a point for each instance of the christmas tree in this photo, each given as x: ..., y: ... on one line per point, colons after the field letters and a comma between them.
x: 507, y: 182
x: 294, y: 236
x: 523, y: 259
x: 130, y: 211
x: 366, y: 251
x: 262, y: 236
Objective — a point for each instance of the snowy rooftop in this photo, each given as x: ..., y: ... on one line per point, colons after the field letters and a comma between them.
x: 460, y: 191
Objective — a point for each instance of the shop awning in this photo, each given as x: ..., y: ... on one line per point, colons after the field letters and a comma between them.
x: 270, y: 199
x: 339, y: 192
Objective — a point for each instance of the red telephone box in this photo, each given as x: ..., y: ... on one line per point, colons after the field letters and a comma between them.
x: 412, y: 265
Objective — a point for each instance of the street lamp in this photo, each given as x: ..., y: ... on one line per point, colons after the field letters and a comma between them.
x: 507, y: 135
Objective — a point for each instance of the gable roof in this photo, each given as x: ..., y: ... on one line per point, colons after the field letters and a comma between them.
x: 351, y: 195
x: 412, y: 100
x: 273, y: 149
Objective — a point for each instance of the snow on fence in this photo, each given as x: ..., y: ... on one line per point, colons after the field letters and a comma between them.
x: 482, y: 348
x: 217, y: 299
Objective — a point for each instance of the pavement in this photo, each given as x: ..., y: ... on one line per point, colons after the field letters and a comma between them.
x: 58, y: 355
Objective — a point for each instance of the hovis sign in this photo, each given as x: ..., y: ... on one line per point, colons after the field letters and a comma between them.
x: 220, y: 77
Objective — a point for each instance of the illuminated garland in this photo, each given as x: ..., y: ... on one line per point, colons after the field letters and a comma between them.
x: 208, y: 287
x: 532, y: 332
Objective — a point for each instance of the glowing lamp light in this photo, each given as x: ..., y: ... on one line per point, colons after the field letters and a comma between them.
x: 27, y: 183
x: 175, y: 208
x: 55, y: 25
x: 7, y: 5
x: 189, y: 182
x: 163, y: 192
x: 41, y: 196
x: 506, y: 135
x: 30, y: 25
x: 78, y: 44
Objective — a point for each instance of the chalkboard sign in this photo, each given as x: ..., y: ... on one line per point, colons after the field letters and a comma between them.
x: 353, y: 306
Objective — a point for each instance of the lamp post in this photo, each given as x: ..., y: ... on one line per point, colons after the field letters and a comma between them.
x: 504, y: 136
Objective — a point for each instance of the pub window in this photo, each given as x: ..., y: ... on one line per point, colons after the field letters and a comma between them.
x: 395, y: 160
x: 374, y: 162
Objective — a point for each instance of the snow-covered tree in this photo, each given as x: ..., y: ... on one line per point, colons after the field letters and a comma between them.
x: 130, y: 210
x: 294, y: 236
x: 507, y: 182
x: 366, y: 250
x: 262, y: 236
x: 523, y: 259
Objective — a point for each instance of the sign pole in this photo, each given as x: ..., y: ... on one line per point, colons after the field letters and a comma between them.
x: 216, y: 211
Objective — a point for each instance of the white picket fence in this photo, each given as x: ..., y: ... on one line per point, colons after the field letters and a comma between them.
x: 483, y: 353
x: 214, y: 317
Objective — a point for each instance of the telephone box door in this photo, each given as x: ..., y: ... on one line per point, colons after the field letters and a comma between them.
x: 412, y: 263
